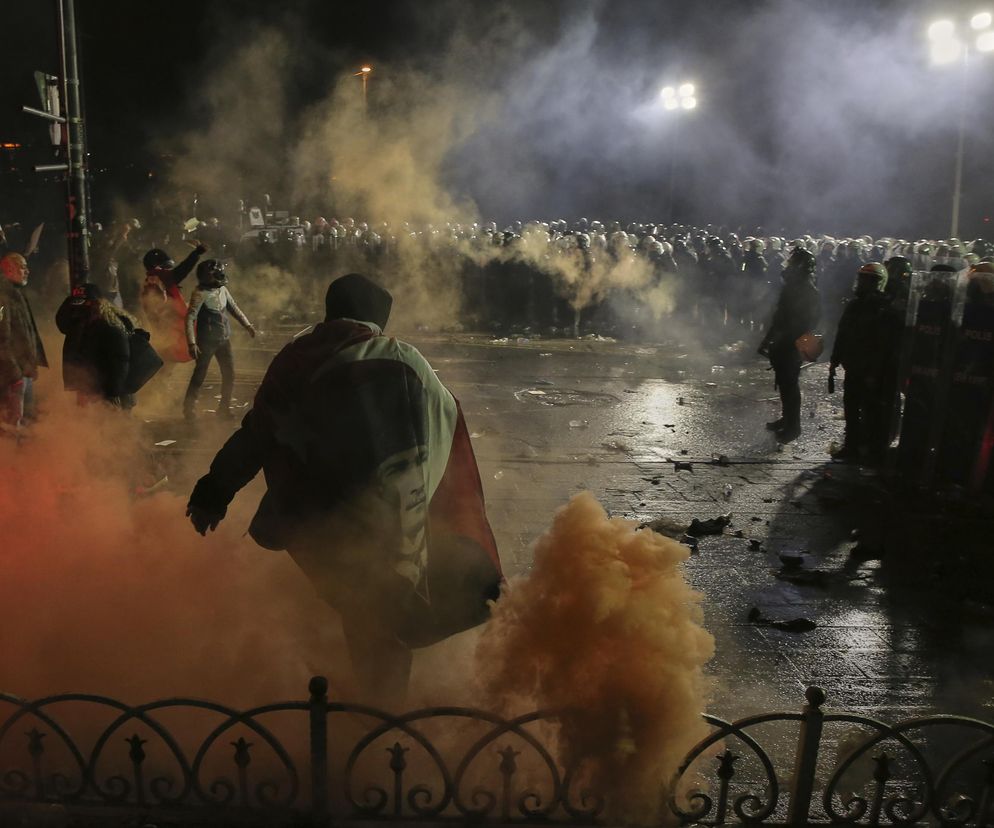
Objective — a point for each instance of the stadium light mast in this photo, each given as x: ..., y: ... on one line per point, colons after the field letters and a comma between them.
x: 678, y: 99
x: 948, y: 47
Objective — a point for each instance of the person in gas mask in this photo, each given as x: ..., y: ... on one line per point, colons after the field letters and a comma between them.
x: 208, y: 334
x: 372, y: 487
x: 797, y: 313
x: 866, y: 346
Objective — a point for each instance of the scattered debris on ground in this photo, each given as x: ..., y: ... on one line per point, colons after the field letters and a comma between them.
x: 713, y: 526
x: 863, y: 551
x: 794, y: 625
x: 666, y: 526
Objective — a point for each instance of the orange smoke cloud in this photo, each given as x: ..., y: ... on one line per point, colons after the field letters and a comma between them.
x: 108, y: 593
x: 606, y: 628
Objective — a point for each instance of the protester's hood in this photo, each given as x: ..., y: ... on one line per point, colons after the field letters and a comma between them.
x: 356, y: 297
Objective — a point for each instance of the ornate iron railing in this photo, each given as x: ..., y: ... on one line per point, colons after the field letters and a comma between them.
x: 315, y: 762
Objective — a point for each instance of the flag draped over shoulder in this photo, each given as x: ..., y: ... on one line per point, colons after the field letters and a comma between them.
x: 368, y: 460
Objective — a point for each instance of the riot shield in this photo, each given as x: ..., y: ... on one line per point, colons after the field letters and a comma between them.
x: 926, y: 359
x: 968, y: 403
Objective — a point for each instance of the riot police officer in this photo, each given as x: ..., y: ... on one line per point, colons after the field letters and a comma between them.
x: 797, y: 313
x: 866, y: 346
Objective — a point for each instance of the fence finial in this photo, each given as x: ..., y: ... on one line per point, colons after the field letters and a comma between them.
x: 815, y: 695
x: 317, y: 687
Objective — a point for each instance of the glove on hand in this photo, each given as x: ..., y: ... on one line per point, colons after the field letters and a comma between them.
x: 202, y: 519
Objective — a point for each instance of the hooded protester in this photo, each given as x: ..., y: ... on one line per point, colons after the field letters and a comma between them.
x: 162, y: 301
x: 373, y: 486
x: 797, y: 312
x: 21, y: 349
x: 106, y: 355
x: 866, y: 346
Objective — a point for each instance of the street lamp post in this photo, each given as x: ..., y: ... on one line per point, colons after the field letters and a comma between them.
x: 363, y: 73
x: 948, y: 47
x: 680, y: 98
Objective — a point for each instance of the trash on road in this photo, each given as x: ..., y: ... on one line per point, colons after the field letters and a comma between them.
x: 667, y: 526
x: 794, y: 625
x: 719, y: 459
x: 804, y: 577
x: 680, y: 465
x: 712, y: 526
x: 165, y: 443
x: 866, y: 552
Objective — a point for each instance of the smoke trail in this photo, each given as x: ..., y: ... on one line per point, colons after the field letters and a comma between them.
x: 606, y: 628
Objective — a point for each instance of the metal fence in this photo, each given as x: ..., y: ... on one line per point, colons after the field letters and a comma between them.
x: 315, y: 762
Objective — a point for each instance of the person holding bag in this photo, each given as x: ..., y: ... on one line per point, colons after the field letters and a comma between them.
x: 106, y: 355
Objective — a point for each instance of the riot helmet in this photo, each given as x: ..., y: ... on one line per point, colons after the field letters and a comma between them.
x: 800, y: 262
x: 157, y: 259
x: 210, y: 274
x: 871, y: 278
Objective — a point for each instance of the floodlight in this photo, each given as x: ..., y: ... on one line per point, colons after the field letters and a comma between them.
x: 941, y: 30
x: 981, y: 21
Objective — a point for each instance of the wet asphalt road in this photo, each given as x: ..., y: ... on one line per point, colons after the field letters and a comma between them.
x: 551, y: 417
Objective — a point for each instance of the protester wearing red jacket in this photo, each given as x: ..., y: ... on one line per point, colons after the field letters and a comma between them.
x: 163, y: 304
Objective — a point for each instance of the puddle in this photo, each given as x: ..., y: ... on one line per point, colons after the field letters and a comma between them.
x: 565, y: 396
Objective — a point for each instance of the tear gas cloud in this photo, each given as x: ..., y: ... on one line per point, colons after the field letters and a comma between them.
x: 606, y: 628
x: 111, y: 594
x: 108, y: 593
x: 513, y: 112
x: 813, y: 117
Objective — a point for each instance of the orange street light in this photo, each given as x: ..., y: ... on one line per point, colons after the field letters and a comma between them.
x: 363, y: 73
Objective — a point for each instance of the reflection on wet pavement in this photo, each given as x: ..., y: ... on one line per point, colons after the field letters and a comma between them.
x: 666, y: 432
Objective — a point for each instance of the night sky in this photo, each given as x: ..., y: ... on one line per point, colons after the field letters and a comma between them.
x: 824, y: 115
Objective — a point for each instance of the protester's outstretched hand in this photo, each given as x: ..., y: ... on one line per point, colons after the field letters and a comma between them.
x: 202, y: 519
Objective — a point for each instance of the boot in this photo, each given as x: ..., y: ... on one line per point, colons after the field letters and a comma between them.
x: 788, y: 433
x: 775, y: 425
